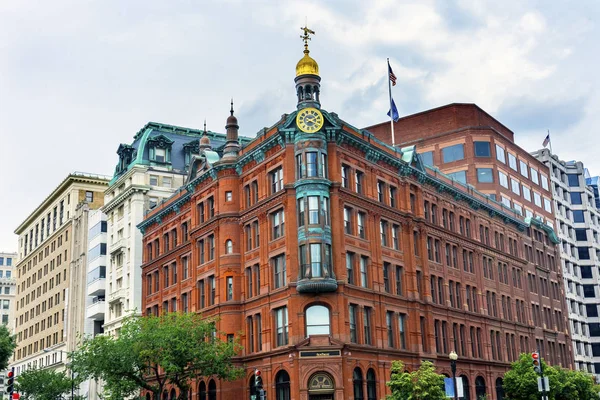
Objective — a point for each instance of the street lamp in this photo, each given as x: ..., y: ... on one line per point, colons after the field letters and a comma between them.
x: 453, y: 357
x: 50, y: 350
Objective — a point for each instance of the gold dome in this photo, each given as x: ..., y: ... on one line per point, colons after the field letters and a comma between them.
x: 307, y: 65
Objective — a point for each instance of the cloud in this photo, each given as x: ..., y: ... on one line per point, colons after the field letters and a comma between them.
x: 534, y: 114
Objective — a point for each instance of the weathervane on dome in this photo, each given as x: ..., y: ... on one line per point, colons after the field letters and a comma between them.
x: 306, y: 36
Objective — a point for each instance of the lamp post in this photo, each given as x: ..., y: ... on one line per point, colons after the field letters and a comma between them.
x: 49, y: 350
x: 453, y: 357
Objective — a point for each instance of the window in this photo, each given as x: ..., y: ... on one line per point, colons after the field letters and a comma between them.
x: 211, y: 207
x: 352, y: 315
x: 361, y: 225
x: 526, y: 193
x: 371, y: 385
x: 573, y: 180
x: 357, y: 384
x: 515, y: 186
x: 534, y: 176
x: 524, y: 169
x: 482, y: 149
x: 395, y: 237
x: 281, y: 323
x: 402, y: 330
x: 578, y: 216
x: 547, y: 205
x: 500, y: 155
x: 576, y: 198
x: 358, y: 181
x: 345, y: 175
x: 278, y: 223
x: 363, y: 271
x: 399, y: 280
x: 544, y: 181
x: 228, y: 246
x: 317, y: 320
x: 313, y: 210
x: 383, y: 228
x: 537, y: 199
x: 502, y: 177
x: 89, y: 197
x: 276, y: 178
x: 167, y: 181
x: 229, y: 288
x: 427, y: 158
x: 460, y: 176
x: 512, y: 161
x: 279, y: 271
x: 311, y: 164
x: 485, y: 175
x: 367, y: 312
x: 153, y: 180
x: 228, y: 196
x: 282, y: 385
x: 453, y: 153
x: 350, y: 267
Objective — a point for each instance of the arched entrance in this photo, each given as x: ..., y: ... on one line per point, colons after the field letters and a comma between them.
x: 499, y: 389
x: 321, y: 386
x: 466, y: 388
x: 480, y: 390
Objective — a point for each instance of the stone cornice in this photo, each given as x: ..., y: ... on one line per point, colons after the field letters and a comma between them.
x: 111, y: 205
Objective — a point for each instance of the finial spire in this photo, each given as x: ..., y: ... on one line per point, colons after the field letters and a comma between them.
x: 231, y: 111
x: 306, y: 37
x: 205, y: 126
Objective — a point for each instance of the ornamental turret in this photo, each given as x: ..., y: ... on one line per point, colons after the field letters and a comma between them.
x: 308, y: 81
x: 232, y: 146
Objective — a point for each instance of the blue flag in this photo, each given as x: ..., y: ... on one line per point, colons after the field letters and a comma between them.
x: 393, y: 113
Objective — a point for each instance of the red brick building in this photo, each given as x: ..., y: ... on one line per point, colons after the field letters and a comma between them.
x: 333, y: 254
x: 469, y: 145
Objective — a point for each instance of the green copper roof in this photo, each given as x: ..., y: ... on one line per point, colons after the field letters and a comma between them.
x: 537, y: 223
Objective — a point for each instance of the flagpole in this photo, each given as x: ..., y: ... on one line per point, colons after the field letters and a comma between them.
x: 550, y: 141
x: 391, y: 110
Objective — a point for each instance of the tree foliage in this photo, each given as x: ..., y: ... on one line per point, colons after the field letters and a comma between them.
x: 154, y: 353
x: 520, y: 382
x: 44, y: 384
x: 7, y: 346
x: 422, y: 384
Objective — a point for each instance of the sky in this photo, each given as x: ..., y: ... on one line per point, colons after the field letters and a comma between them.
x: 79, y: 77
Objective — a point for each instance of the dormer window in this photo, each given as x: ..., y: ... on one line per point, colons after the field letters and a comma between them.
x: 160, y: 149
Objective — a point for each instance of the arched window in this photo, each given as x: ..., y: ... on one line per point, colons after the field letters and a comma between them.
x: 371, y: 385
x: 212, y: 390
x: 173, y: 395
x: 317, y: 320
x: 479, y: 387
x: 499, y: 389
x: 202, y: 391
x: 165, y: 395
x: 466, y: 388
x: 228, y: 246
x: 148, y: 397
x: 357, y: 383
x: 251, y: 386
x: 282, y: 386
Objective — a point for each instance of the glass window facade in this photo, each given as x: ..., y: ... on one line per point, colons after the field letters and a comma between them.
x: 482, y: 149
x: 485, y: 175
x: 453, y: 153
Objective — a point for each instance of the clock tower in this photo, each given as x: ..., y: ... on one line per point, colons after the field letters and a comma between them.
x: 308, y: 81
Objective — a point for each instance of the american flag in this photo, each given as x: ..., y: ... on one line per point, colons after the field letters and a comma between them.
x: 547, y: 140
x: 392, y: 76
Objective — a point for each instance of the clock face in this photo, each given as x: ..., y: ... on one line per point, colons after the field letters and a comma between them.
x: 309, y: 120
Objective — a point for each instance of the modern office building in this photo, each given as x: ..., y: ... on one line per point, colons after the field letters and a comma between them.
x: 52, y: 245
x: 149, y: 170
x: 330, y: 254
x: 578, y: 227
x: 8, y: 288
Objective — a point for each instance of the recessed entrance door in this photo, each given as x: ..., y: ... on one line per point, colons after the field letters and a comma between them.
x: 321, y: 387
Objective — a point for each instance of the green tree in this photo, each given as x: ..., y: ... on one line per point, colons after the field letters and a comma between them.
x: 422, y: 384
x: 520, y: 382
x: 45, y: 384
x: 154, y: 353
x: 7, y: 346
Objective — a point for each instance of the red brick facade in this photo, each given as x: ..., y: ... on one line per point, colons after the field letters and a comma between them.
x: 447, y: 273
